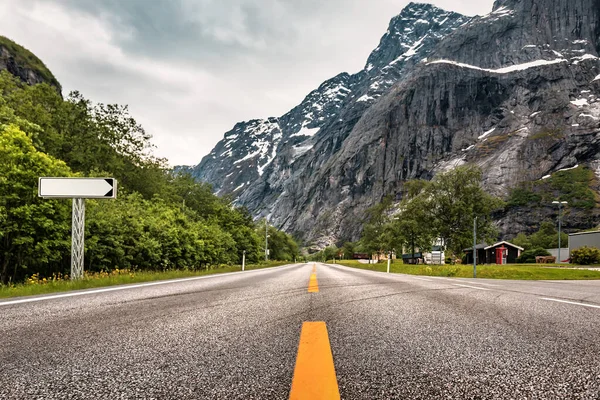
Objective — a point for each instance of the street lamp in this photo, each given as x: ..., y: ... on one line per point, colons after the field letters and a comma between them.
x: 560, y: 203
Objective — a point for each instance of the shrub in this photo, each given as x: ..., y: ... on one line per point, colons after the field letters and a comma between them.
x: 585, y: 255
x: 522, y: 197
x: 528, y: 256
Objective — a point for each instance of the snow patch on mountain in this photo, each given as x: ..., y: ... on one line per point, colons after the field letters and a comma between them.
x: 504, y: 70
x: 304, y: 131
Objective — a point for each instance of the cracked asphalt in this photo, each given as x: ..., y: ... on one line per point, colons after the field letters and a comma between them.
x: 235, y: 336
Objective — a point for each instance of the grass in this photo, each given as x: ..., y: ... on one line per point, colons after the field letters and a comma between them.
x: 511, y: 271
x: 35, y: 286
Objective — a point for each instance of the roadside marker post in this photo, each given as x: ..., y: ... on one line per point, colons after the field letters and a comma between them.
x: 474, y: 249
x: 389, y: 260
x: 243, y: 259
x: 77, y: 189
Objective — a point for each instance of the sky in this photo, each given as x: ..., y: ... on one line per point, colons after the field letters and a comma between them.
x: 190, y: 69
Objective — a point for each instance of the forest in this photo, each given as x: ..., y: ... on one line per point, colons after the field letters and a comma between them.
x: 161, y: 219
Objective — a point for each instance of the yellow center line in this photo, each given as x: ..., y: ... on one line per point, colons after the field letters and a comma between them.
x: 314, y: 374
x: 313, y: 286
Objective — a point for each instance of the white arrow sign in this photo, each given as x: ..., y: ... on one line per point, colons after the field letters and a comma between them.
x: 82, y: 188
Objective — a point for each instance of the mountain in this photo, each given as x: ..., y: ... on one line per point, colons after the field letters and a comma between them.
x: 24, y: 64
x: 514, y: 91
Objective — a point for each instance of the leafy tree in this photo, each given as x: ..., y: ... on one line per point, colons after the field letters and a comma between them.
x: 442, y: 208
x: 281, y: 246
x: 522, y: 240
x: 348, y: 250
x: 453, y: 199
x: 546, y: 238
x: 330, y: 252
x: 33, y: 231
x: 412, y: 226
x: 377, y: 235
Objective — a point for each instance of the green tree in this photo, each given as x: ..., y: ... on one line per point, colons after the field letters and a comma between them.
x: 453, y: 199
x: 377, y: 235
x: 33, y: 232
x: 522, y: 240
x: 348, y: 250
x: 413, y: 227
x: 546, y: 238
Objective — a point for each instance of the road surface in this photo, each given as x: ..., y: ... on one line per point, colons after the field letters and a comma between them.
x: 365, y: 335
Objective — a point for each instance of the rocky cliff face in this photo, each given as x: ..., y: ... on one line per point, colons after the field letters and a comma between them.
x: 260, y: 153
x: 25, y: 65
x: 515, y: 91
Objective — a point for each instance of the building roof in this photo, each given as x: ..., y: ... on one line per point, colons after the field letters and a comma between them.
x: 506, y: 243
x: 480, y: 246
x: 583, y: 233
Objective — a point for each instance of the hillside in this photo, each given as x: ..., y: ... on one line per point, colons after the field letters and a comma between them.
x: 22, y: 63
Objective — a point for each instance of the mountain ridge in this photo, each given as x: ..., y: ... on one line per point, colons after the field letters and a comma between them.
x: 318, y: 108
x: 469, y: 95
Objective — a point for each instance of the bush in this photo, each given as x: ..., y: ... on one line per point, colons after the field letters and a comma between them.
x: 585, y: 256
x: 528, y: 256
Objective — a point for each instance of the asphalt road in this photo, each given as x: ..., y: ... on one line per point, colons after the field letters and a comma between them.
x: 236, y: 336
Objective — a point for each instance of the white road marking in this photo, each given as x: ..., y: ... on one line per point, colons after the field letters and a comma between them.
x: 570, y: 302
x: 481, y: 283
x: 471, y: 287
x: 115, y: 288
x: 422, y: 279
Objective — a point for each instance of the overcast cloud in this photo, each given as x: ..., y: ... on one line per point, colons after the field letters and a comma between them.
x: 190, y: 69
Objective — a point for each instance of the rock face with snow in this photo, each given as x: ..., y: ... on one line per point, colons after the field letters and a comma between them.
x: 515, y: 91
x: 248, y: 150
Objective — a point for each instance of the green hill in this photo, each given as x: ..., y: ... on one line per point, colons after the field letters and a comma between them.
x: 25, y: 61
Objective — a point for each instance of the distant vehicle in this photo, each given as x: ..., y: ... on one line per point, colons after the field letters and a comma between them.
x: 436, y: 256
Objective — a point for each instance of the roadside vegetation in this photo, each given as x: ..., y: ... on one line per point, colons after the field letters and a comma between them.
x: 509, y: 271
x: 441, y: 209
x: 572, y: 185
x: 441, y: 212
x: 161, y: 220
x: 34, y: 285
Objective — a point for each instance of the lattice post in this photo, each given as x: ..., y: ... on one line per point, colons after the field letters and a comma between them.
x: 77, y: 238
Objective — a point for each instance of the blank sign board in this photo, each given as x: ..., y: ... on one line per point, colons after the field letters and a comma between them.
x: 83, y: 188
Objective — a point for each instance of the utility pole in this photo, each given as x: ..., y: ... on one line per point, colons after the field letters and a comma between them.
x: 560, y: 203
x: 474, y: 249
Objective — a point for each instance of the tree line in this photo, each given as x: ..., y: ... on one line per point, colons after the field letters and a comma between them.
x: 443, y: 209
x: 160, y: 220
